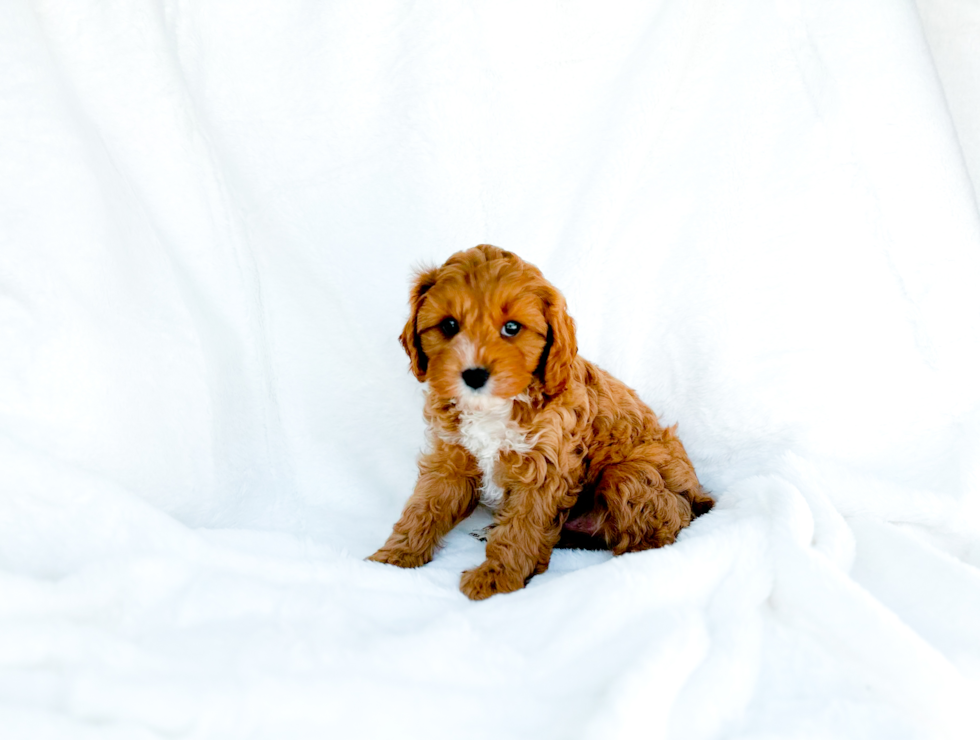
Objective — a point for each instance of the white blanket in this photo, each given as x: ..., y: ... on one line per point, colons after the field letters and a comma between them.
x: 762, y: 217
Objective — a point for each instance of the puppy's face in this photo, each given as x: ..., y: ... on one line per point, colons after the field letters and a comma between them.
x: 487, y: 324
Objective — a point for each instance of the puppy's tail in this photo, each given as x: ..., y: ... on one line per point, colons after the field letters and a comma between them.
x: 701, y: 502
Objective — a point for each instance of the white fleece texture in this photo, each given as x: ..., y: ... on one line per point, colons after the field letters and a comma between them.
x: 762, y: 217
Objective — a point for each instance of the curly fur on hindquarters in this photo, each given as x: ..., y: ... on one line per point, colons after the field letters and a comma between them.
x: 561, y: 451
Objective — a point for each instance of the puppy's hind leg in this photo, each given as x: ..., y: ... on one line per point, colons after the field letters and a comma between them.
x: 678, y: 473
x: 641, y: 512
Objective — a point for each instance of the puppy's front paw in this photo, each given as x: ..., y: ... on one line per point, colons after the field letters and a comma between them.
x: 397, y: 556
x: 489, y: 579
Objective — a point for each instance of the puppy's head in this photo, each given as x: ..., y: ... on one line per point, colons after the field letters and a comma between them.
x: 487, y: 324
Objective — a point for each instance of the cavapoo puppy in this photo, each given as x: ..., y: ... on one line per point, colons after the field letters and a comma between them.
x: 558, y: 449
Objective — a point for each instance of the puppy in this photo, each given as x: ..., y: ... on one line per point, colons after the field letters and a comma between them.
x: 558, y: 449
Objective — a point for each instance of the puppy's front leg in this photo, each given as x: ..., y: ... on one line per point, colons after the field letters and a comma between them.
x: 527, y: 530
x: 445, y: 494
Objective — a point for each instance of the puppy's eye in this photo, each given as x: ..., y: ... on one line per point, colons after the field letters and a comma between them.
x: 449, y: 327
x: 510, y: 329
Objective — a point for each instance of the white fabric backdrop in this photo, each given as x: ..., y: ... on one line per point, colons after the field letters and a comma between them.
x: 762, y: 217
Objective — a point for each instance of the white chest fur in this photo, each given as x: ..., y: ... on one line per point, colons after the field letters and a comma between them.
x: 486, y: 430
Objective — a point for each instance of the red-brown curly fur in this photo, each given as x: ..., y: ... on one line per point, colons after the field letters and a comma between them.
x: 580, y: 459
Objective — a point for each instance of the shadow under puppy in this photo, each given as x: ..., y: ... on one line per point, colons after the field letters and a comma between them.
x: 558, y: 449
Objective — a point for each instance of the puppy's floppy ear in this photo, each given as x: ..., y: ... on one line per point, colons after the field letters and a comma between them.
x: 425, y: 278
x: 561, y: 348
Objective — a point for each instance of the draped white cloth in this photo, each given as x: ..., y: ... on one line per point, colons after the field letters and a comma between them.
x: 762, y: 217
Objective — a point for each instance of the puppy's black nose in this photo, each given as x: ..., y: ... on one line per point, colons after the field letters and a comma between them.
x: 475, y: 377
